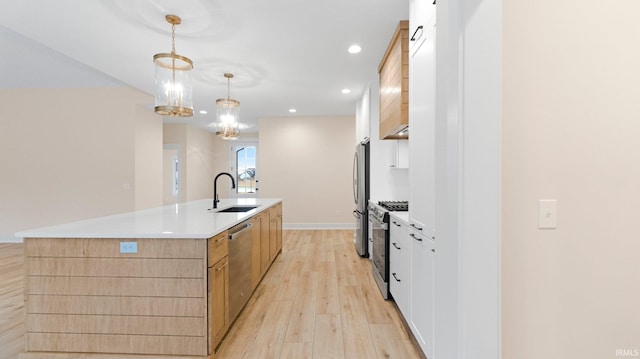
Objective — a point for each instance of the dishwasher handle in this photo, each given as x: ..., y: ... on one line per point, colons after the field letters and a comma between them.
x: 238, y: 231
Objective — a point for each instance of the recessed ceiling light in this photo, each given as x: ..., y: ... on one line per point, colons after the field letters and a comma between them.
x: 292, y: 110
x: 354, y: 49
x: 345, y: 91
x: 203, y: 112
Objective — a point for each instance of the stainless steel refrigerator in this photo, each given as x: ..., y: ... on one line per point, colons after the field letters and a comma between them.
x: 361, y: 196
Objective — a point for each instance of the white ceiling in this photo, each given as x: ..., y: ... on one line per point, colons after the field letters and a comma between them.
x: 284, y: 53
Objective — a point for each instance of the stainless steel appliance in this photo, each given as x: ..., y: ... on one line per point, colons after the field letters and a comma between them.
x: 361, y: 196
x: 379, y: 222
x: 239, y: 268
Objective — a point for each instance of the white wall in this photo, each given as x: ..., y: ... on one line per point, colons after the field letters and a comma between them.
x: 148, y: 158
x: 386, y: 183
x: 571, y: 132
x: 307, y: 161
x: 202, y: 156
x: 66, y: 157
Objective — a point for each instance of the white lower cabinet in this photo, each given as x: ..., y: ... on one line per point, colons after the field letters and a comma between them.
x: 421, y: 290
x: 399, y: 264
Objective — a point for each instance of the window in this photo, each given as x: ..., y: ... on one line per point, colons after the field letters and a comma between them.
x: 246, y: 180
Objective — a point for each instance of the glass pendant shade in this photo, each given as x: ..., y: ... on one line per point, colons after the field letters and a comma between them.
x: 228, y: 115
x: 228, y: 118
x: 173, y: 91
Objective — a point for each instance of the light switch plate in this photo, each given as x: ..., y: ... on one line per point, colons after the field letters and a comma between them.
x: 547, y: 214
x: 128, y: 247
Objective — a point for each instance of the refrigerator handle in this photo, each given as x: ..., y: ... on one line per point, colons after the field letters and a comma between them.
x: 355, y: 178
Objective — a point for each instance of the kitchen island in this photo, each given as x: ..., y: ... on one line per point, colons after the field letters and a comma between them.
x: 148, y: 283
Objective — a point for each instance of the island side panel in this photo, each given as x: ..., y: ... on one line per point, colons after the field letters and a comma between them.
x: 83, y: 295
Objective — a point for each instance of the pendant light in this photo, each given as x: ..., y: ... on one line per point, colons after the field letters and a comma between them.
x: 173, y: 79
x: 227, y: 117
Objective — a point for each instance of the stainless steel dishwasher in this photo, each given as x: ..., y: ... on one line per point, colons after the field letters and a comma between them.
x: 239, y: 268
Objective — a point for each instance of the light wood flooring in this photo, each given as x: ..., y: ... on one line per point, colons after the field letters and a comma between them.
x: 11, y: 301
x: 318, y: 300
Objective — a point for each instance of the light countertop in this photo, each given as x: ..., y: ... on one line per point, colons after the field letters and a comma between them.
x: 184, y: 220
x: 402, y: 216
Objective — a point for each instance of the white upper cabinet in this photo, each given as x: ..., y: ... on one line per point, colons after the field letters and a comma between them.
x: 422, y: 14
x: 398, y: 155
x: 422, y: 101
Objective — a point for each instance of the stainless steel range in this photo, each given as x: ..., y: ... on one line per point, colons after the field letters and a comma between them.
x: 379, y: 224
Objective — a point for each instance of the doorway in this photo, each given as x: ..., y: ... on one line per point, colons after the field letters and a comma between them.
x: 243, y: 164
x: 171, y: 174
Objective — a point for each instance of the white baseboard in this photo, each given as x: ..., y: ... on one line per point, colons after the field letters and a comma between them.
x: 10, y: 239
x: 318, y: 226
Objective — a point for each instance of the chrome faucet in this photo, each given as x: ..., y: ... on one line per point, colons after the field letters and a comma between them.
x: 215, y: 187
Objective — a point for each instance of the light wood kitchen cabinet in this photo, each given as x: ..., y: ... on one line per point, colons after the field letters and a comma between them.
x: 142, y: 297
x: 275, y: 231
x: 218, y: 289
x: 267, y: 241
x: 256, y: 232
x: 394, y: 85
x: 265, y: 258
x: 218, y: 302
x: 422, y: 290
x: 279, y: 234
x: 273, y: 234
x: 218, y: 248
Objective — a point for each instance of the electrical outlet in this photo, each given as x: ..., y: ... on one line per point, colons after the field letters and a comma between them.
x: 128, y: 247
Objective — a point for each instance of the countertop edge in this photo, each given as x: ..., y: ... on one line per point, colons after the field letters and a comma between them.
x: 157, y: 216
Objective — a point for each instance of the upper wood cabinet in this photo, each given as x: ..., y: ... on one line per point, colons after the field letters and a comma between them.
x: 394, y: 85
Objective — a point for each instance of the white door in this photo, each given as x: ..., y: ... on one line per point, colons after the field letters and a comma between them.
x: 243, y: 166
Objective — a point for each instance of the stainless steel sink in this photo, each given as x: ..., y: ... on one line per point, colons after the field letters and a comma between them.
x: 237, y: 209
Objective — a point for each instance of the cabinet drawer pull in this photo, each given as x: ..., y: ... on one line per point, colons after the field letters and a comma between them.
x: 416, y: 238
x: 416, y: 227
x: 396, y: 223
x: 220, y: 239
x: 396, y: 246
x: 396, y: 278
x: 219, y: 269
x: 413, y: 37
x: 433, y: 250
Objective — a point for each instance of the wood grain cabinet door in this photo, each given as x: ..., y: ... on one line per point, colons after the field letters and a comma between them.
x: 278, y: 234
x: 273, y: 238
x: 264, y: 243
x: 256, y: 271
x: 218, y: 302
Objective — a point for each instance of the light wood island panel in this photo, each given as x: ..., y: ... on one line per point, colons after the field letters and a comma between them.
x: 85, y: 299
x: 83, y: 295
